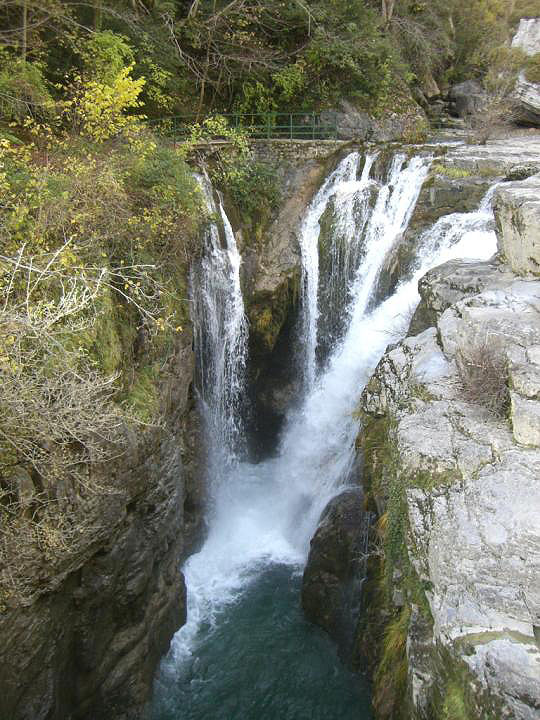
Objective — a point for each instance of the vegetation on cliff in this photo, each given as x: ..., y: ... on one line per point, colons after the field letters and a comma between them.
x: 202, y: 56
x: 99, y: 216
x: 98, y: 225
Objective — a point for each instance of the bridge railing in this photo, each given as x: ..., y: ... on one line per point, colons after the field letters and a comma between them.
x: 274, y: 125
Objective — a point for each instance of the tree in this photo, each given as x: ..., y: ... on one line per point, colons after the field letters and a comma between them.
x: 387, y: 10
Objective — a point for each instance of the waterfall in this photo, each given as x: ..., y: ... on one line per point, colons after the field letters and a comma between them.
x: 220, y: 329
x: 264, y: 514
x: 342, y: 176
x: 318, y: 445
x: 321, y: 438
x: 362, y: 235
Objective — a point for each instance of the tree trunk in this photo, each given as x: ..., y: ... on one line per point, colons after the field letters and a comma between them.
x: 24, y: 29
x: 97, y: 14
x: 387, y: 9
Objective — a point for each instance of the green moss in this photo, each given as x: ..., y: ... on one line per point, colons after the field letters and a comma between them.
x: 454, y: 706
x: 142, y: 399
x: 268, y: 313
x: 450, y: 171
x: 107, y: 345
x: 456, y: 695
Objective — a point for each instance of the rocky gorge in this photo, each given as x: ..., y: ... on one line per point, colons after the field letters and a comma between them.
x: 454, y: 483
x: 269, y: 360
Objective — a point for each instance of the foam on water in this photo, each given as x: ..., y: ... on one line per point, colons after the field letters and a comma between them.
x: 266, y: 513
x: 220, y: 330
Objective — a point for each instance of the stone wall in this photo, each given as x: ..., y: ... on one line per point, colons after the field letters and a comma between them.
x: 296, y: 152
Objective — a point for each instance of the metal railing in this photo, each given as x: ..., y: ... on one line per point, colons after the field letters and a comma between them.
x: 269, y: 126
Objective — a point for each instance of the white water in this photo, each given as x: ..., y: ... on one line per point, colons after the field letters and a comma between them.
x: 340, y: 184
x: 266, y: 513
x: 220, y: 330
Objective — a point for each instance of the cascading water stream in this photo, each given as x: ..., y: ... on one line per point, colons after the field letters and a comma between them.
x: 220, y: 330
x: 342, y: 183
x: 246, y: 653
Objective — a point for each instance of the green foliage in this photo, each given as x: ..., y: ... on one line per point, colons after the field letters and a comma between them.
x: 105, y: 56
x: 161, y: 177
x: 252, y: 185
x: 263, y: 55
x: 479, y: 28
x: 23, y: 90
x: 532, y: 68
x: 524, y: 9
x: 101, y: 108
x: 255, y: 97
x: 291, y: 81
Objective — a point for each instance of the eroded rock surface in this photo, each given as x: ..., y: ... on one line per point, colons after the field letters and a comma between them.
x: 470, y: 484
x: 518, y: 215
x: 88, y: 642
x: 332, y: 582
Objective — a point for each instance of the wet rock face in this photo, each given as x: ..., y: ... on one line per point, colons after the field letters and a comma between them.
x: 333, y: 577
x: 271, y: 296
x: 89, y: 643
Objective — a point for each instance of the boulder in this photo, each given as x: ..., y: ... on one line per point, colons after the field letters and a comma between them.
x: 467, y: 98
x: 527, y: 98
x: 517, y: 212
x: 351, y: 123
x: 335, y: 570
x: 527, y: 94
x: 527, y: 37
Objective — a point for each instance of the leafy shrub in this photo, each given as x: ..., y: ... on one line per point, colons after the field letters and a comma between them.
x: 94, y: 247
x: 101, y: 108
x: 163, y: 172
x: 105, y: 55
x: 252, y: 185
x: 23, y: 90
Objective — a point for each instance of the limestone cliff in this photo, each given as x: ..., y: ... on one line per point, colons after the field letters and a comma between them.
x: 451, y: 443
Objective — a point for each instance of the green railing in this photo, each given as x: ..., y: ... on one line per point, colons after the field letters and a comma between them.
x: 285, y: 126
